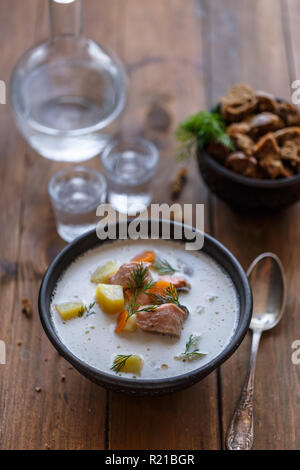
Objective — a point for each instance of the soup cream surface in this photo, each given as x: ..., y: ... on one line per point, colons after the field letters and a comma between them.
x: 212, y: 303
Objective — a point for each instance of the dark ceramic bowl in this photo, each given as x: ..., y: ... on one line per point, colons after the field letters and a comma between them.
x: 145, y: 387
x: 250, y: 194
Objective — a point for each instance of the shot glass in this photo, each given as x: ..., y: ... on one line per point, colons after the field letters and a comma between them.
x: 75, y: 194
x: 130, y: 165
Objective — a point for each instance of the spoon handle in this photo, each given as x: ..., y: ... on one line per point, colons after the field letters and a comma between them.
x: 240, y: 433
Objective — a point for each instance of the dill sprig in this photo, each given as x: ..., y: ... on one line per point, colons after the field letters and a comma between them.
x: 200, y: 129
x: 119, y: 362
x: 138, y: 283
x: 132, y: 308
x: 163, y: 266
x: 87, y: 310
x: 168, y: 296
x: 189, y: 354
x: 147, y: 308
x: 138, y: 278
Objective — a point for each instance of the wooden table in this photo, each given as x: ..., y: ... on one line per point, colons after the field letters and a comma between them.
x: 184, y: 55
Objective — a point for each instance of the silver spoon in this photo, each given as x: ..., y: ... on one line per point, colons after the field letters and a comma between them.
x: 267, y: 280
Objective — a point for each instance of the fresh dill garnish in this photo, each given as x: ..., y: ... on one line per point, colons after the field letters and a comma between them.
x: 192, y: 341
x: 87, y: 310
x: 147, y: 308
x: 119, y: 362
x: 168, y: 296
x: 189, y: 353
x: 139, y: 283
x: 163, y: 266
x: 139, y: 280
x: 132, y: 308
x: 200, y: 129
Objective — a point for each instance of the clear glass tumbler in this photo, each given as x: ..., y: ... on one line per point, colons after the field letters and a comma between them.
x: 75, y: 194
x: 130, y: 165
x: 68, y: 93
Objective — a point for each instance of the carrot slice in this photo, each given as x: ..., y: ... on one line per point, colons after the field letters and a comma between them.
x: 121, y: 322
x: 159, y: 287
x: 145, y: 257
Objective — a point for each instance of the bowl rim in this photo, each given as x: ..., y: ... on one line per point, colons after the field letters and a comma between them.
x: 144, y: 385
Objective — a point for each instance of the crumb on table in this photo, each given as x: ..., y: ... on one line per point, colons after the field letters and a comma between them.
x: 178, y: 183
x: 26, y: 307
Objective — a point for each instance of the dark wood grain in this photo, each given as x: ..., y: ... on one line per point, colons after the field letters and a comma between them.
x: 180, y: 57
x: 66, y: 413
x: 258, y: 54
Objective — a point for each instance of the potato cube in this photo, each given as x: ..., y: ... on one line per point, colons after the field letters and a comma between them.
x: 103, y: 273
x: 110, y: 298
x: 133, y: 365
x: 69, y: 310
x: 131, y: 325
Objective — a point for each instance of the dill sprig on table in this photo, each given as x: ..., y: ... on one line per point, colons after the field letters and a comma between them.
x: 163, y: 266
x: 119, y: 362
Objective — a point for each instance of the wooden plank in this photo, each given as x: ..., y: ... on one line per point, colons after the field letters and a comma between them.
x: 169, y: 65
x: 163, y: 50
x: 66, y: 413
x: 256, y: 39
x: 12, y: 164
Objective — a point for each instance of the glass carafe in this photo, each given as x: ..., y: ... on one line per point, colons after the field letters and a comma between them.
x: 68, y: 93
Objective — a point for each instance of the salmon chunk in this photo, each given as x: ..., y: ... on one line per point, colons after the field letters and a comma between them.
x: 142, y: 298
x: 178, y: 281
x: 166, y: 319
x: 123, y: 275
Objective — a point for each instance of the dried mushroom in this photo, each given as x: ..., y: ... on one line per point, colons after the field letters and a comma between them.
x: 251, y: 133
x: 238, y: 128
x: 239, y: 102
x: 289, y: 133
x: 266, y: 102
x: 263, y: 123
x: 267, y: 145
x: 268, y: 154
x: 240, y: 163
x: 244, y: 143
x: 289, y: 113
x: 291, y: 151
x: 266, y: 136
x: 218, y: 151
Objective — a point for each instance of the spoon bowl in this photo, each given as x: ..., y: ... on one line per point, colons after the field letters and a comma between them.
x: 267, y: 280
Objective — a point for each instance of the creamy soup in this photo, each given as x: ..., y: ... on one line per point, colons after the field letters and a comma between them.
x: 212, y: 303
